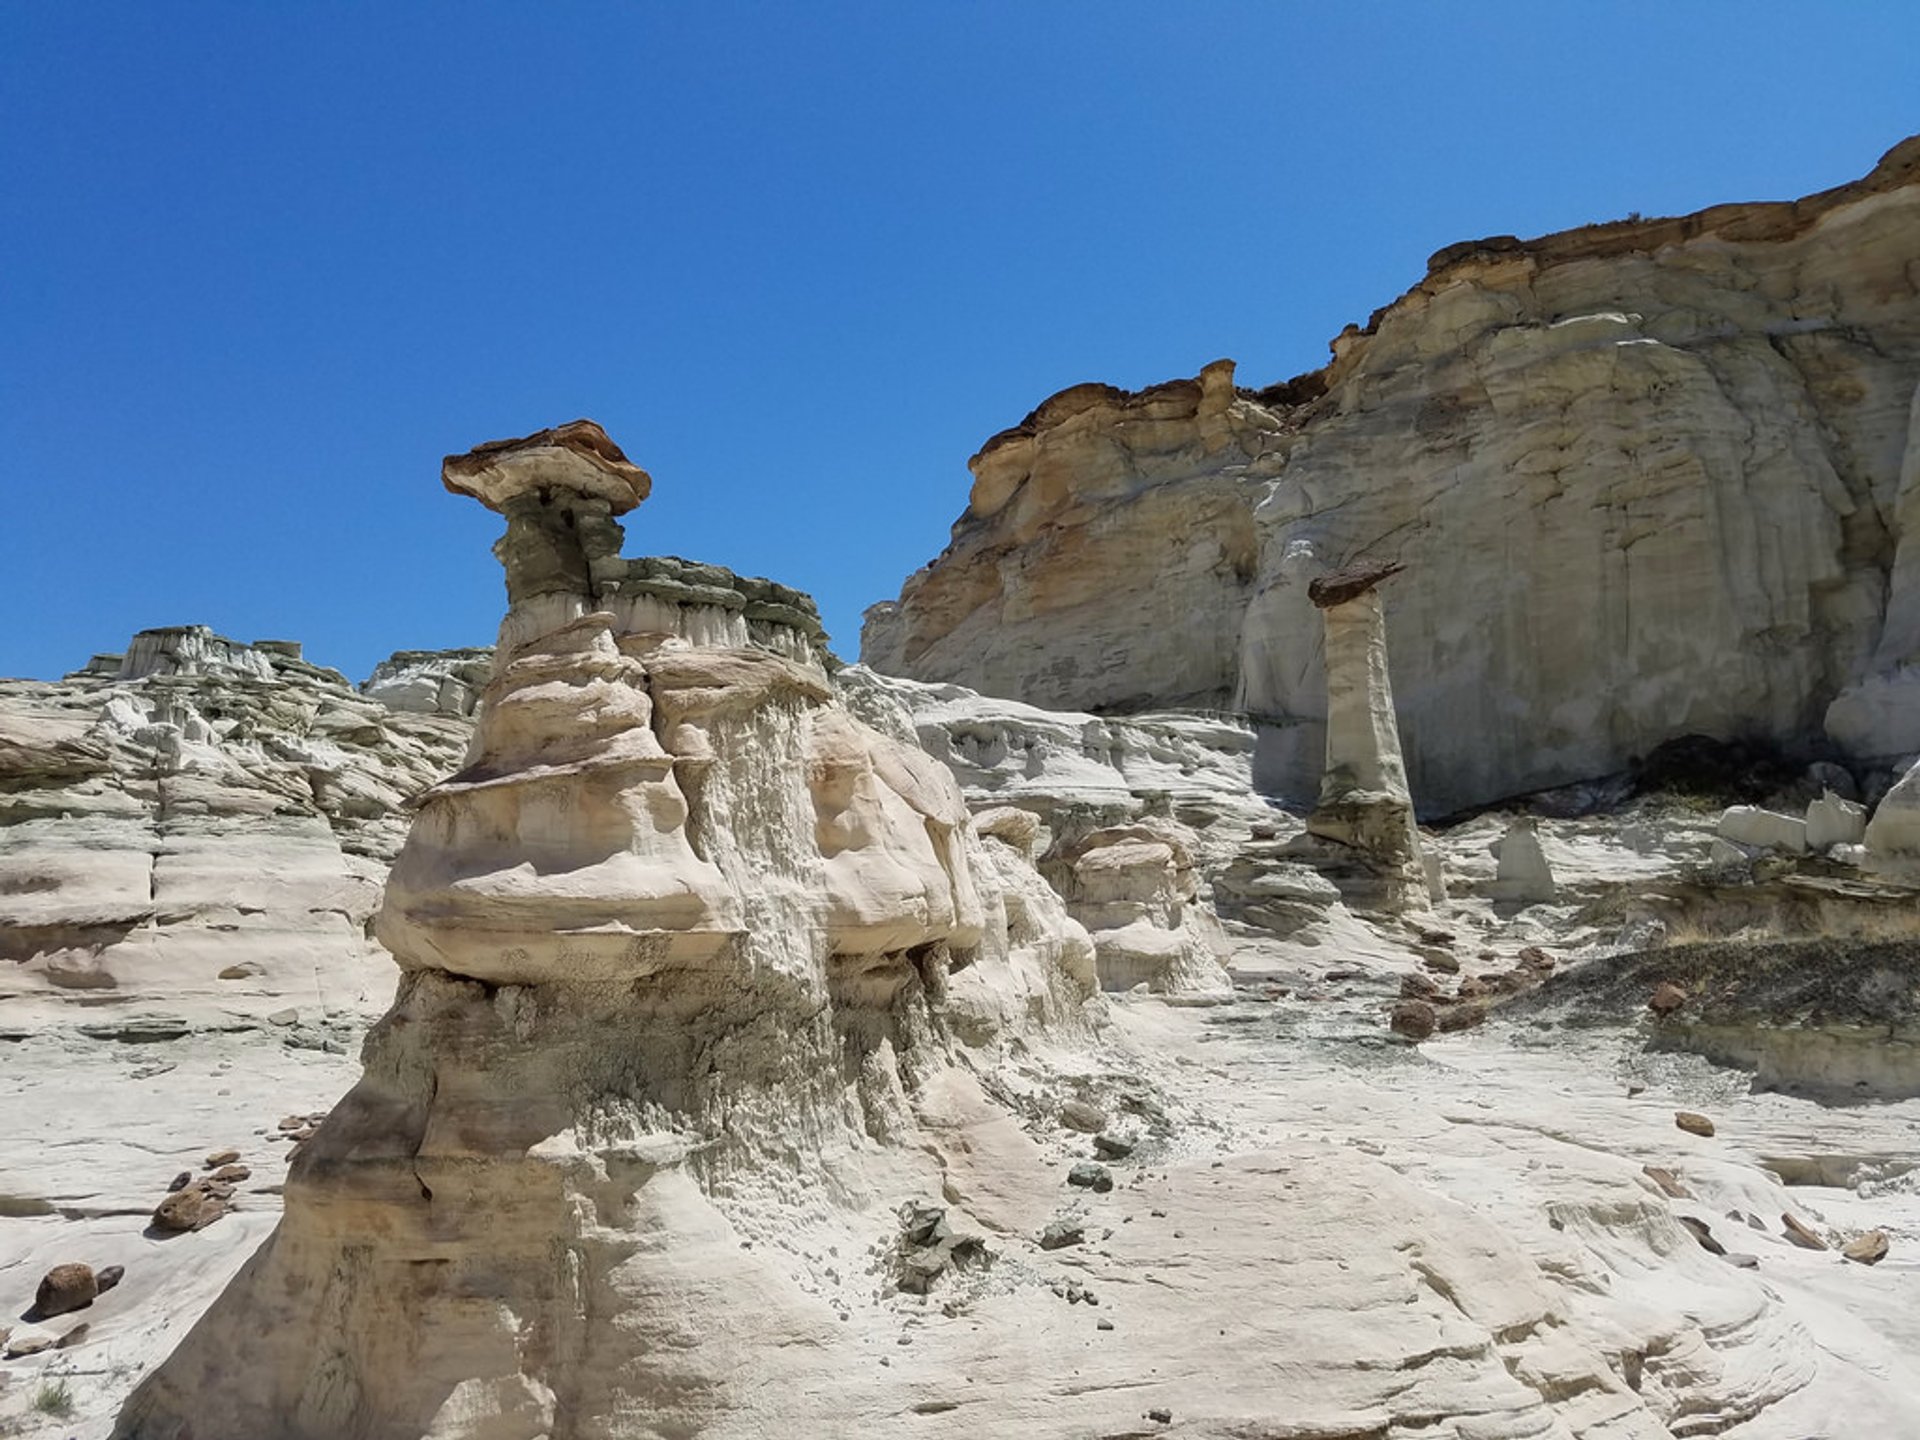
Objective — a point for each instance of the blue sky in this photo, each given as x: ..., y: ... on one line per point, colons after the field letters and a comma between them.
x: 261, y: 265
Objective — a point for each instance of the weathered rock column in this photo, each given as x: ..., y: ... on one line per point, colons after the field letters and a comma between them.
x: 1364, y: 800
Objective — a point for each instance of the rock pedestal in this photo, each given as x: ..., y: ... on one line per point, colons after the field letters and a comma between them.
x: 678, y: 945
x: 1364, y: 802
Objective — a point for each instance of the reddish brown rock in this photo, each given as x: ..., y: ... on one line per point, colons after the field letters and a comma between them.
x: 1414, y: 1019
x: 1461, y: 1017
x: 1667, y: 997
x: 194, y: 1208
x: 65, y: 1288
x: 1800, y: 1233
x: 1692, y: 1123
x: 1418, y: 987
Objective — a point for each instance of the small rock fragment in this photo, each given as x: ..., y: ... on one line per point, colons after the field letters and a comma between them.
x: 1461, y: 1017
x: 180, y: 1181
x: 1742, y: 1261
x: 1668, y: 1182
x: 1063, y: 1232
x: 1109, y: 1146
x: 108, y: 1276
x: 1089, y: 1175
x: 29, y: 1340
x: 65, y: 1288
x: 1083, y: 1116
x: 194, y: 1208
x: 1667, y: 997
x: 1867, y: 1249
x: 221, y: 1157
x: 232, y: 1173
x: 1692, y: 1123
x: 1103, y: 1324
x: 1536, y: 959
x: 1415, y: 986
x: 1160, y: 1417
x: 1800, y: 1233
x: 71, y: 1338
x: 1414, y: 1019
x: 1704, y: 1235
x: 1445, y: 964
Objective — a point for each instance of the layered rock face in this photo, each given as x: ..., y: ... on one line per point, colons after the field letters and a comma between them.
x: 195, y: 833
x: 675, y: 944
x: 1651, y: 478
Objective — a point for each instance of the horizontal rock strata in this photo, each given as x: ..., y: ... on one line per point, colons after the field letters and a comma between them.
x: 1650, y: 479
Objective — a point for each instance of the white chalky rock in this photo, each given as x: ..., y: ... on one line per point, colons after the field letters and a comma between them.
x: 1832, y: 821
x: 1764, y: 829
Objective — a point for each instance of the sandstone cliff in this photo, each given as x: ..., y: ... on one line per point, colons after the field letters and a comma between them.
x: 1652, y: 478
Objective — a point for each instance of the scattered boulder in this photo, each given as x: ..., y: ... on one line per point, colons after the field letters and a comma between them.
x: 65, y: 1288
x: 1532, y: 957
x: 1063, y: 1231
x: 1867, y: 1249
x: 1833, y: 821
x: 1800, y: 1233
x: 1668, y: 1182
x: 193, y: 1208
x: 1460, y: 1017
x: 221, y: 1157
x: 1110, y: 1146
x: 1702, y: 1232
x: 232, y: 1173
x: 929, y: 1248
x: 29, y: 1340
x: 1667, y: 997
x: 1414, y: 1019
x: 1764, y: 829
x: 1089, y: 1175
x: 1084, y: 1116
x: 1441, y: 961
x: 1693, y: 1123
x: 1419, y: 987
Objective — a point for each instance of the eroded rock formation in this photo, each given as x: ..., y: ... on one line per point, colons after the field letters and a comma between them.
x: 1651, y: 478
x: 195, y: 833
x: 675, y: 943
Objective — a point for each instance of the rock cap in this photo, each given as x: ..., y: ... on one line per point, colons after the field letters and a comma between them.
x: 576, y: 456
x: 1339, y: 586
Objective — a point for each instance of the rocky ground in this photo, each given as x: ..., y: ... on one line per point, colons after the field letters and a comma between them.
x: 1461, y: 1237
x: 1359, y: 1175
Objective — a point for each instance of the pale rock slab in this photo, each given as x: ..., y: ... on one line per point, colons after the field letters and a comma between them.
x: 1763, y: 829
x: 1832, y: 821
x: 1892, y: 837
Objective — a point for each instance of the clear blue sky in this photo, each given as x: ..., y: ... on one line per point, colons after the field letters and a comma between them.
x: 261, y: 265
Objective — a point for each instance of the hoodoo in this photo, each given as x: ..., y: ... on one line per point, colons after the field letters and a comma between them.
x: 675, y: 942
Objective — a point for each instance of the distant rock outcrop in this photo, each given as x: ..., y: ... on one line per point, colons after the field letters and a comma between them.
x: 1652, y: 478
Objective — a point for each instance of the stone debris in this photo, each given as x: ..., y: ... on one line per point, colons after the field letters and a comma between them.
x: 1692, y: 1122
x: 1668, y: 1182
x: 1867, y: 1249
x: 1666, y: 998
x: 65, y: 1288
x: 1089, y: 1175
x: 194, y: 1206
x: 1800, y: 1233
x: 1063, y: 1231
x: 1415, y: 1019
